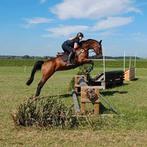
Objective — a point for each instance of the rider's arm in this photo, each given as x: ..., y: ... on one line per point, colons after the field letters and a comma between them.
x: 75, y: 45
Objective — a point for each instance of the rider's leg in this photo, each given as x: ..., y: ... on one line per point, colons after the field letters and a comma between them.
x: 65, y: 48
x: 70, y: 51
x: 70, y: 57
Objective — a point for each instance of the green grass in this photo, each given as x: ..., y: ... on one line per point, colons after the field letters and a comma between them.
x: 128, y: 129
x: 141, y: 63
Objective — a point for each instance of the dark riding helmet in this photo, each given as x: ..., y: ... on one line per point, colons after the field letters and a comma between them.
x: 80, y: 35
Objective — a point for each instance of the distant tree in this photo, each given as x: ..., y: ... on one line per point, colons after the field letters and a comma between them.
x: 26, y: 57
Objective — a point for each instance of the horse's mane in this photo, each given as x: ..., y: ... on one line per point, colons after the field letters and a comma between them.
x: 88, y: 40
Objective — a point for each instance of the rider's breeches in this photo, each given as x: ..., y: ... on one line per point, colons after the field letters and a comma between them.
x: 67, y: 48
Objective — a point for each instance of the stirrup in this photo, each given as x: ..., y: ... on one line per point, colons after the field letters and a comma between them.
x: 69, y: 63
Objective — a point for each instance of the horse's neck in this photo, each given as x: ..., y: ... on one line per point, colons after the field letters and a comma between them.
x: 82, y: 52
x: 82, y: 48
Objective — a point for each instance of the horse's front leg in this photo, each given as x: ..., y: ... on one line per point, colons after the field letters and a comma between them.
x: 87, y: 61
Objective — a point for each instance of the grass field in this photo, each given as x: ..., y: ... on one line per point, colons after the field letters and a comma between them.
x: 128, y: 129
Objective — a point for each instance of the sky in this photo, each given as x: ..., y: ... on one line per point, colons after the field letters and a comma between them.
x: 39, y: 27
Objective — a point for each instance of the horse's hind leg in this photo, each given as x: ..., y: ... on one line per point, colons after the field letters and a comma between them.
x: 40, y: 85
x: 47, y: 71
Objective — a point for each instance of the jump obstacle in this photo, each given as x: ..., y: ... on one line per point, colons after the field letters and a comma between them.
x: 89, y: 87
x: 89, y: 94
x: 79, y: 81
x: 130, y: 72
x: 109, y: 79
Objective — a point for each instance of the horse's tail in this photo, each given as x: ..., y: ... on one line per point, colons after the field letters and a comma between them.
x: 37, y: 66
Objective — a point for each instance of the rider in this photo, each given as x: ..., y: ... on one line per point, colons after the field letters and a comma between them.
x: 69, y: 46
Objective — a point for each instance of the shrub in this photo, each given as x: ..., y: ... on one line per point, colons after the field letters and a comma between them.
x: 44, y: 112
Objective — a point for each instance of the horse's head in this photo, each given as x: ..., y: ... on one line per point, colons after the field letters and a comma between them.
x: 93, y: 44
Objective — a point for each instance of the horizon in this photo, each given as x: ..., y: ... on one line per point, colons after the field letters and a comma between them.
x: 29, y: 56
x: 39, y: 27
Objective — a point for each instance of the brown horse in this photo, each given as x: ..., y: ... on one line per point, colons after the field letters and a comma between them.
x: 58, y: 63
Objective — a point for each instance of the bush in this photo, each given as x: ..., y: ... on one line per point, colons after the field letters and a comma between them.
x: 51, y: 112
x: 44, y: 112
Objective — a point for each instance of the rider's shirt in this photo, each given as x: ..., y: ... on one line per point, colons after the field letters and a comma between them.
x: 71, y: 42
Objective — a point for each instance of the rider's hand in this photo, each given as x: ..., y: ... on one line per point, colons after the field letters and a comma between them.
x: 75, y: 45
x: 74, y: 50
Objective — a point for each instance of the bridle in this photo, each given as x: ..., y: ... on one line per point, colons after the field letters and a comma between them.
x: 82, y: 50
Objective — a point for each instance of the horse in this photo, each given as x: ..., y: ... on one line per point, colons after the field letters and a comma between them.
x: 50, y: 66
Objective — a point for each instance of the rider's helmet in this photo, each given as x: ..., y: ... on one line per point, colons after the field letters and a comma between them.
x: 80, y: 35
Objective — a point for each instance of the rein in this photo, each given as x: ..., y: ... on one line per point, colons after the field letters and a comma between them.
x: 82, y: 51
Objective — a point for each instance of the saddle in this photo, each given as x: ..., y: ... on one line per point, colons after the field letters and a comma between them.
x: 61, y: 54
x: 64, y: 56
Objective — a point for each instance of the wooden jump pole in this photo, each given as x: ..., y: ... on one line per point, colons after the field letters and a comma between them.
x: 124, y: 62
x: 130, y: 73
x: 104, y: 68
x: 135, y: 64
x: 130, y: 61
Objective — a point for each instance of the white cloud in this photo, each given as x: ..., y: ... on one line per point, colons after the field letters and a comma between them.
x: 108, y: 33
x: 67, y: 30
x: 42, y: 1
x: 112, y: 22
x: 35, y: 21
x: 93, y: 8
x: 139, y: 36
x: 105, y: 24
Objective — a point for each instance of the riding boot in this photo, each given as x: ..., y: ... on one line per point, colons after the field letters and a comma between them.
x: 69, y: 58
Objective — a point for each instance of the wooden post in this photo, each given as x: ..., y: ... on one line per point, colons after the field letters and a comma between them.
x: 76, y: 102
x: 129, y: 74
x: 80, y: 80
x: 83, y: 107
x: 96, y: 108
x: 90, y: 94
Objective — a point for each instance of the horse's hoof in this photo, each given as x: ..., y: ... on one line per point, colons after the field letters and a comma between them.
x: 29, y: 82
x: 33, y: 98
x: 69, y: 64
x: 14, y: 117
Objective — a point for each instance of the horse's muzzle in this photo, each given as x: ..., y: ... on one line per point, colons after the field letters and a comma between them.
x: 99, y: 55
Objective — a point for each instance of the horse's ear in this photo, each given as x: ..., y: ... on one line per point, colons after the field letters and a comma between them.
x: 100, y: 41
